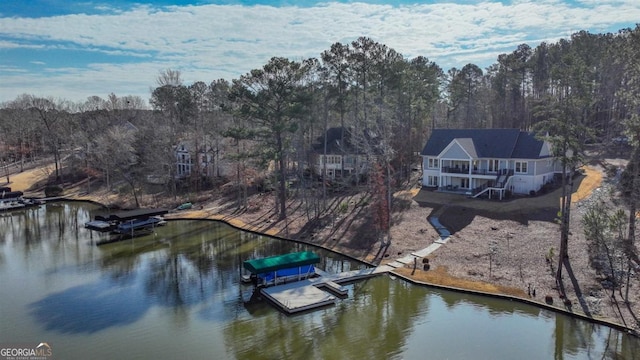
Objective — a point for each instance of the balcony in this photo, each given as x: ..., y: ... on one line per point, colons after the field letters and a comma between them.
x: 455, y: 170
x: 465, y: 170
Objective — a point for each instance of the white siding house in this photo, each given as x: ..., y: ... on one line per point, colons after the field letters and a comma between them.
x: 342, y: 157
x: 186, y: 160
x: 487, y: 161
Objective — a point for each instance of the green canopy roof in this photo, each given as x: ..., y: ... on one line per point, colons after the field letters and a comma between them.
x: 274, y: 263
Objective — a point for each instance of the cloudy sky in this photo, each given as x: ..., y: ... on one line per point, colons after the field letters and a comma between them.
x: 75, y: 49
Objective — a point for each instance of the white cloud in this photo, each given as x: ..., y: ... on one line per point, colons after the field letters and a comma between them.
x: 212, y: 41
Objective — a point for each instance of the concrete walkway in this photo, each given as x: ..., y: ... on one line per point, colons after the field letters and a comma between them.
x: 418, y: 255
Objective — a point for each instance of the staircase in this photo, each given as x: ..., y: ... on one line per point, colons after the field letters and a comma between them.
x: 502, y: 180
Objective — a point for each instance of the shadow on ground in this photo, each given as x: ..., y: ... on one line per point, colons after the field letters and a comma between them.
x: 458, y: 211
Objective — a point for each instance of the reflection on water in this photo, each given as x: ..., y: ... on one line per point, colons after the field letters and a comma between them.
x: 177, y: 293
x: 92, y: 307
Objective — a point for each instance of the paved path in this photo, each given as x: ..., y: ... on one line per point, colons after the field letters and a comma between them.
x: 415, y: 256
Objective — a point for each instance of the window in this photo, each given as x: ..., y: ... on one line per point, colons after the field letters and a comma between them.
x: 433, y: 163
x: 331, y: 159
x: 521, y: 167
x: 432, y: 181
x: 494, y: 165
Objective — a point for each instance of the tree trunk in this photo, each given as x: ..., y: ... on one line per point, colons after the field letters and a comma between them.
x: 56, y: 160
x: 565, y: 207
x: 389, y: 196
x: 324, y: 155
x: 282, y: 196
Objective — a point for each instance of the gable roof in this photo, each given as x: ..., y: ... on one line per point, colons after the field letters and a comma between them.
x: 341, y: 141
x: 486, y: 143
x: 468, y: 146
x: 336, y: 142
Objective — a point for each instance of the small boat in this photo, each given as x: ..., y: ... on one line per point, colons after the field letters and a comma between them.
x: 185, y: 206
x: 127, y: 227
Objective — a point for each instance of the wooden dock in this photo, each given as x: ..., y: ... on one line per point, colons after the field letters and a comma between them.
x: 297, y: 296
x: 305, y: 295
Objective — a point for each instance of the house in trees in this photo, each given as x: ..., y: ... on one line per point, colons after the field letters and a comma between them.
x: 487, y: 162
x: 188, y: 161
x: 344, y: 155
x: 210, y: 159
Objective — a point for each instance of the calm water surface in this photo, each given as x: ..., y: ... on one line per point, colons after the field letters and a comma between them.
x: 177, y: 294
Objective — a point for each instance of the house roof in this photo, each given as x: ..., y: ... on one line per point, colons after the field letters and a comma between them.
x: 467, y: 145
x: 336, y: 142
x: 10, y: 194
x: 130, y: 214
x: 486, y: 143
x: 340, y: 141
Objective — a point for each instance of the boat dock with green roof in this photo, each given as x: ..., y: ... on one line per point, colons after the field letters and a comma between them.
x: 281, y: 269
x: 293, y: 284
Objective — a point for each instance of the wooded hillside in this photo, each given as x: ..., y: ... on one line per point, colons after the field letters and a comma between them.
x: 262, y: 126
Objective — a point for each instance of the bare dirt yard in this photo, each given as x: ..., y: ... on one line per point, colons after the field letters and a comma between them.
x: 496, y: 246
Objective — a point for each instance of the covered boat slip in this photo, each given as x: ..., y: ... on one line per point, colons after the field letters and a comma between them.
x: 126, y: 215
x: 282, y: 268
x: 286, y: 280
x: 10, y: 195
x: 124, y: 221
x: 278, y: 262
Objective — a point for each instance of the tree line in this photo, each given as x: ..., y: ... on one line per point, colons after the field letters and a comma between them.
x: 583, y: 88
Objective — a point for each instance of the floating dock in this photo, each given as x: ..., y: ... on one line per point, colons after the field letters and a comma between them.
x: 305, y: 295
x: 297, y: 296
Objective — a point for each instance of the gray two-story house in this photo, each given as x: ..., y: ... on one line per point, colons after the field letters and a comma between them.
x: 487, y: 161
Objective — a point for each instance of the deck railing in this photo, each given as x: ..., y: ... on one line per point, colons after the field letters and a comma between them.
x: 465, y: 170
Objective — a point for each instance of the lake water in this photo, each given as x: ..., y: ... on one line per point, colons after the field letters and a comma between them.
x: 177, y: 294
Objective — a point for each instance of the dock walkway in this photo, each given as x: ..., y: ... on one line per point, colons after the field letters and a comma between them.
x: 305, y: 294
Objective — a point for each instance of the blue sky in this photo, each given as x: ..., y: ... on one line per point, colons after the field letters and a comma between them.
x: 76, y: 49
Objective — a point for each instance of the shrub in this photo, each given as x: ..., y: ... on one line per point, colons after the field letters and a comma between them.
x: 343, y: 207
x: 53, y: 190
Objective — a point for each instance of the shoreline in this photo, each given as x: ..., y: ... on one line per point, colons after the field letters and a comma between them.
x: 238, y: 224
x: 261, y: 222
